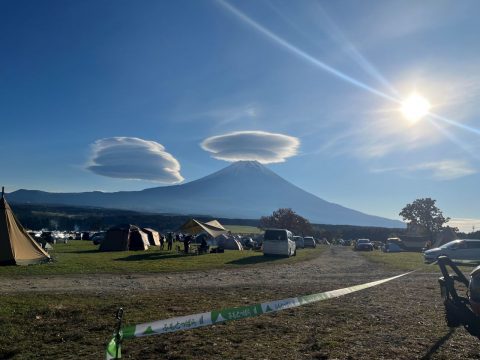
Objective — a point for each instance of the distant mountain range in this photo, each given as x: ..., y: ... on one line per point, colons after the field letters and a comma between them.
x: 243, y: 190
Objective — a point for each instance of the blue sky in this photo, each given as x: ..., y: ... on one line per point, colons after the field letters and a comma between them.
x: 313, y: 88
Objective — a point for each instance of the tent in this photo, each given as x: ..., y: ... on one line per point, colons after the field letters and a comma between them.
x: 153, y: 236
x: 123, y: 238
x: 213, y: 228
x: 16, y: 246
x: 228, y: 242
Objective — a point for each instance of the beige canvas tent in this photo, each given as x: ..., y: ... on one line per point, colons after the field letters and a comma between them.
x: 16, y: 246
x: 123, y: 238
x: 153, y: 236
x: 194, y: 227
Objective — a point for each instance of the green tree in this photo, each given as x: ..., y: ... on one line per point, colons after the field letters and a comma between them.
x: 425, y: 213
x: 286, y: 218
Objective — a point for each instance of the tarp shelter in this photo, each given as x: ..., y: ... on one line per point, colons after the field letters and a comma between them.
x: 16, y: 246
x: 123, y: 238
x: 228, y: 242
x: 153, y: 236
x: 194, y: 227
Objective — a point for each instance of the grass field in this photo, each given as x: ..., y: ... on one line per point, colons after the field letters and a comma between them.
x: 82, y: 257
x: 243, y: 229
x: 404, y: 261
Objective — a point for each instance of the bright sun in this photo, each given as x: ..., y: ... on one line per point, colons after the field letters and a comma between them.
x: 415, y: 107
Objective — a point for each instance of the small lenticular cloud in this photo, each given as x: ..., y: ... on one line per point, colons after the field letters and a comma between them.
x: 261, y: 146
x: 134, y: 158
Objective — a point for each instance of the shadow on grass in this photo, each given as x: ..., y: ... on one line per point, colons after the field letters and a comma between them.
x: 91, y: 251
x: 438, y: 344
x: 150, y: 256
x: 256, y: 260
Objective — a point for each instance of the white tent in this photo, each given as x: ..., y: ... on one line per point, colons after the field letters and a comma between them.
x: 228, y: 242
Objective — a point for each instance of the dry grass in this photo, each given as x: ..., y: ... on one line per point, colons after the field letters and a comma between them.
x: 398, y: 320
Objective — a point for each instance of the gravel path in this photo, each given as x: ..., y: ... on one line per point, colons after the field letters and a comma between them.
x: 336, y: 266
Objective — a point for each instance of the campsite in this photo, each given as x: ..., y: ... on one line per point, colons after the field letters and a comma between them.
x: 64, y: 304
x: 72, y: 316
x: 239, y: 179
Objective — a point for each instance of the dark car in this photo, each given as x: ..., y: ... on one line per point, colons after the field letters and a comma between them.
x: 364, y: 245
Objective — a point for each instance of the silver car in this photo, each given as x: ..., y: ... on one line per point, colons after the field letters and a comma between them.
x: 463, y: 249
x: 309, y: 241
x: 299, y: 242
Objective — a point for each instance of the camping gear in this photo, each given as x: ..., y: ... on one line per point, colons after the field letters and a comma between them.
x: 460, y: 311
x: 17, y: 247
x: 123, y: 238
x: 153, y: 236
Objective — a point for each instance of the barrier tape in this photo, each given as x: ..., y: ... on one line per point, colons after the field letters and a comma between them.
x: 228, y: 314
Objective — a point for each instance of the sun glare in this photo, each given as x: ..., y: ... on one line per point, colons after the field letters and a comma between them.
x: 415, y: 107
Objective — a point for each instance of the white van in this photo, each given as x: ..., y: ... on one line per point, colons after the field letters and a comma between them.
x: 279, y: 242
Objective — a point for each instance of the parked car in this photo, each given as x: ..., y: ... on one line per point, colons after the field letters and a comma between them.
x: 309, y: 241
x: 363, y: 245
x: 299, y: 242
x: 279, y: 242
x: 463, y: 249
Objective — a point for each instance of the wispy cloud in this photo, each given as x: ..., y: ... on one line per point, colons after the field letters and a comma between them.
x: 261, y: 146
x: 231, y: 114
x: 465, y: 225
x: 398, y: 19
x: 438, y: 170
x: 134, y: 158
x: 446, y: 169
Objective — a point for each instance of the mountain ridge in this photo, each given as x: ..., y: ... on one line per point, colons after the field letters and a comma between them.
x: 244, y: 189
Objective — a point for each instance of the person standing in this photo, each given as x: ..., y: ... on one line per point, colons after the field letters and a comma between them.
x: 169, y: 241
x: 186, y: 243
x: 162, y: 241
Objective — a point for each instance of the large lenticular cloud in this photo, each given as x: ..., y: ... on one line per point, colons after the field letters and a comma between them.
x: 261, y: 146
x: 134, y: 158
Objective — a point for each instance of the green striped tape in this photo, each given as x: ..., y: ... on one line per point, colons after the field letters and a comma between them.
x: 228, y: 314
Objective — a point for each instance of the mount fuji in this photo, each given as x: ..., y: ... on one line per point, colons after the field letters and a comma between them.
x: 244, y: 189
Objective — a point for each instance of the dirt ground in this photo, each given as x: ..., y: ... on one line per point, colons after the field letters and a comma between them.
x: 402, y: 319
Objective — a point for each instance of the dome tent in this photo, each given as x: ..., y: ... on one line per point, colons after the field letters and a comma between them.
x: 228, y: 242
x: 16, y: 246
x: 123, y: 238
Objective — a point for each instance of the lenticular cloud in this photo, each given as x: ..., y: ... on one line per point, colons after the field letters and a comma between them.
x: 134, y: 158
x: 261, y: 146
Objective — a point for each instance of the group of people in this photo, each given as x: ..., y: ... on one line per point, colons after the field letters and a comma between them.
x: 169, y: 239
